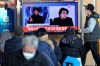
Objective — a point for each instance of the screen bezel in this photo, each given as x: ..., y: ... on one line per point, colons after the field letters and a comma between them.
x: 76, y: 12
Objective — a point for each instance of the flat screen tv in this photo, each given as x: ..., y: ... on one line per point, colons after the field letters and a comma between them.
x: 54, y: 16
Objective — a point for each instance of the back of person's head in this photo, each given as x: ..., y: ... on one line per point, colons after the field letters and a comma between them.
x: 70, y: 30
x: 30, y: 41
x: 41, y: 32
x: 63, y: 9
x: 18, y: 30
x: 36, y: 8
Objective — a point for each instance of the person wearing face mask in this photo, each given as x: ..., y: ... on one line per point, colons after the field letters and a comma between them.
x: 63, y: 19
x: 28, y: 55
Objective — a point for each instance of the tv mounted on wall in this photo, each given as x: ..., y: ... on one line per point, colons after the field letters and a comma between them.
x: 54, y: 16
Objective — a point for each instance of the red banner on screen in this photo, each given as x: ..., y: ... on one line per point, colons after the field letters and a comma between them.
x: 48, y: 28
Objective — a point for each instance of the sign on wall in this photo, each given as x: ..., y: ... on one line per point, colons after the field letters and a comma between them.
x: 7, y: 13
x: 6, y: 20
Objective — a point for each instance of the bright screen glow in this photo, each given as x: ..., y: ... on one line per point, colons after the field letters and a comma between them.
x: 49, y: 16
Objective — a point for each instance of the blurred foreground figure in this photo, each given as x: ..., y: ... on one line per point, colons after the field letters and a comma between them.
x: 27, y: 56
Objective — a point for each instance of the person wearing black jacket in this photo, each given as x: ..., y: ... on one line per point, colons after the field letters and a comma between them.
x: 28, y: 55
x: 63, y: 19
x: 71, y: 45
x: 36, y: 18
x: 15, y: 43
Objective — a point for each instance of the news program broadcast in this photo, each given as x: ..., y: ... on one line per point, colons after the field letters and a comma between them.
x: 54, y: 16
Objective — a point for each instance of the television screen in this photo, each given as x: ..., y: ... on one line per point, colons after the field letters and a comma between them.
x: 54, y: 16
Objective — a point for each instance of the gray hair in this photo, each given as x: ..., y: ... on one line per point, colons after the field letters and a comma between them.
x: 30, y: 40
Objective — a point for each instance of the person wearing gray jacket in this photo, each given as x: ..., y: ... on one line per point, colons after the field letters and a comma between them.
x: 3, y: 37
x: 91, y: 32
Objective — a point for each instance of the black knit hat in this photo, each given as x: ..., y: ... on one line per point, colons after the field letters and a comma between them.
x: 89, y: 7
x: 18, y: 30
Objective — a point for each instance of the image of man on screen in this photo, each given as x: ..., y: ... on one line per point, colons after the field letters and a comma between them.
x: 63, y: 19
x: 36, y: 18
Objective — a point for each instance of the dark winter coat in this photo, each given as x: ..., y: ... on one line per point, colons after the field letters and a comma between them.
x: 13, y: 44
x: 18, y: 59
x: 72, y: 46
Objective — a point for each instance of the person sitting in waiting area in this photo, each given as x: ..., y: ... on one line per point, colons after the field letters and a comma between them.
x: 43, y: 36
x: 4, y: 36
x: 27, y: 56
x: 15, y: 43
x: 71, y: 45
x: 46, y: 48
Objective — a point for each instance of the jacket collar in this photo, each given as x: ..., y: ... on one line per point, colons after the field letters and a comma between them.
x: 20, y: 55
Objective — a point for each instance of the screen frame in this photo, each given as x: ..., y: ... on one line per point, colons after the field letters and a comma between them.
x: 76, y: 12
